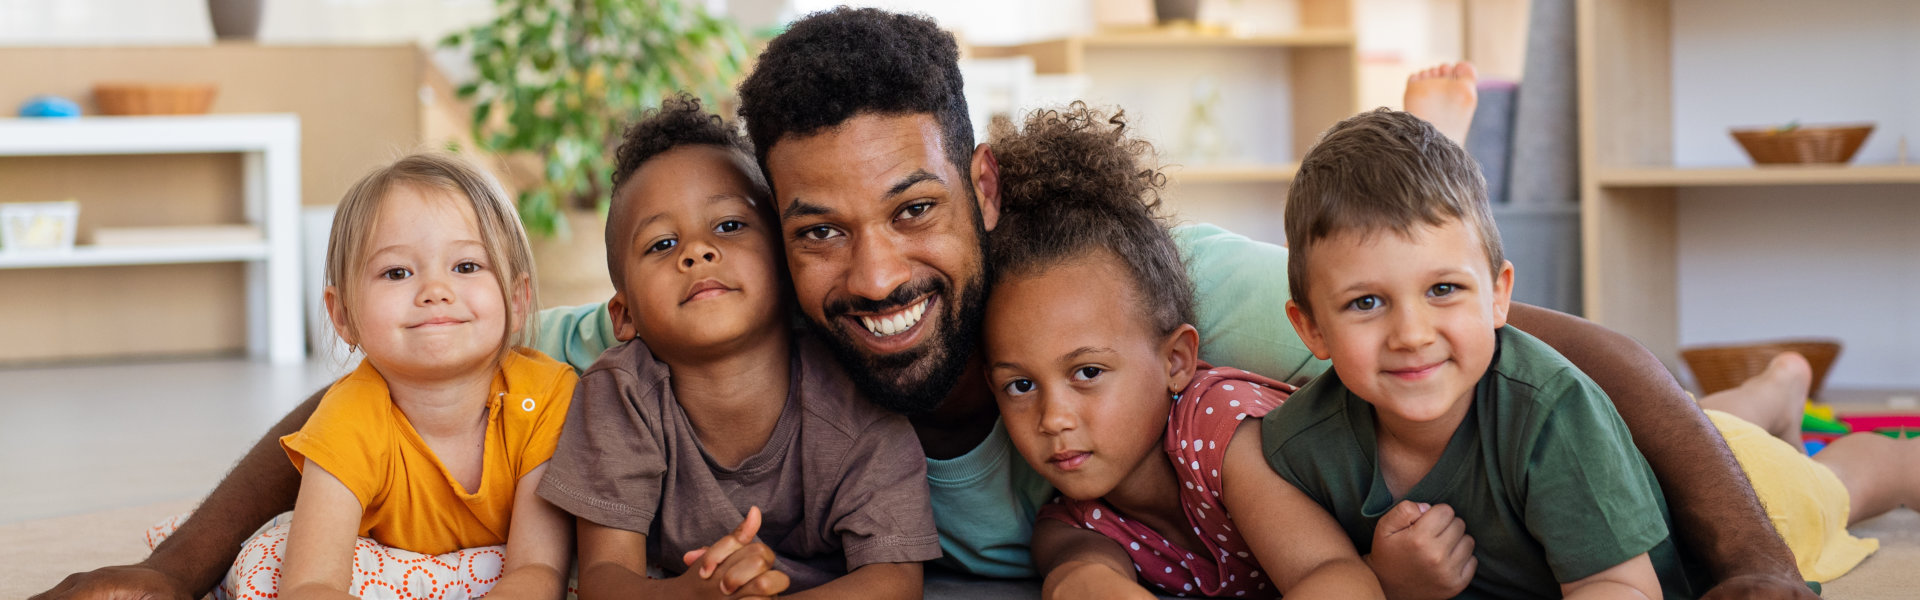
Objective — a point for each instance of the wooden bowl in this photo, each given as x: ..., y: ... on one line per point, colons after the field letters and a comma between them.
x: 1822, y: 144
x: 154, y: 98
x: 1718, y: 368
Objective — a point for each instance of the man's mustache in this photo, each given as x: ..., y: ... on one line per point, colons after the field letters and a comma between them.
x: 896, y: 300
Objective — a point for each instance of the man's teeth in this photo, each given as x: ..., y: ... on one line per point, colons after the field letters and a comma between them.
x: 898, y: 322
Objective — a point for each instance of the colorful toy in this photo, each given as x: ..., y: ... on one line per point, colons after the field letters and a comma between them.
x: 49, y: 106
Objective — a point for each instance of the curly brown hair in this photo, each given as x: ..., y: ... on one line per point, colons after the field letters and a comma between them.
x: 1075, y: 181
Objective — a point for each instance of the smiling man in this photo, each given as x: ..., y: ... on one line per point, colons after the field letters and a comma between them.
x: 885, y: 204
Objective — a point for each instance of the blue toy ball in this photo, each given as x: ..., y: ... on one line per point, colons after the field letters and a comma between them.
x: 1814, y: 446
x: 49, y: 106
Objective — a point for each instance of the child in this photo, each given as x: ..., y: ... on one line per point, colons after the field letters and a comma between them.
x: 1088, y: 350
x: 438, y: 440
x: 715, y: 420
x: 1398, y: 278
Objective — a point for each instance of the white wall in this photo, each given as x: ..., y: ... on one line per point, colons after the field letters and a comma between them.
x: 87, y: 22
x: 1841, y: 261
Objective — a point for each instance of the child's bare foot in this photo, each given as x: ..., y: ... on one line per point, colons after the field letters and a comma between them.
x: 1775, y: 399
x: 1445, y: 96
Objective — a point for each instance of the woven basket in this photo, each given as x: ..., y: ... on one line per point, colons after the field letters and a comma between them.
x: 1829, y: 144
x: 154, y: 98
x: 1719, y: 368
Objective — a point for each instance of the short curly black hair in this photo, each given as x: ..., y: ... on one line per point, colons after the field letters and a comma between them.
x: 834, y: 65
x: 1075, y: 181
x: 679, y: 121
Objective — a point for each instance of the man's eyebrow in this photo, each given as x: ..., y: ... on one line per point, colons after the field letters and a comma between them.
x: 801, y: 208
x: 916, y: 177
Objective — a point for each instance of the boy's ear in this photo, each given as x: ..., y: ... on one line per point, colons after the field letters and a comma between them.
x: 338, y: 315
x: 1182, y: 352
x: 1502, y: 293
x: 1309, y: 333
x: 986, y: 185
x: 623, y: 328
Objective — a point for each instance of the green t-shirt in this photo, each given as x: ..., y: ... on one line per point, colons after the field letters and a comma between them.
x: 984, y: 501
x: 1542, y: 471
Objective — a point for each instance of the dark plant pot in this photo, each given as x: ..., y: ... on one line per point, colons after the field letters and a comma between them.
x: 235, y: 19
x: 1170, y: 11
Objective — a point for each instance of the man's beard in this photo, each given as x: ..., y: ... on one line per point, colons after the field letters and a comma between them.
x: 916, y: 380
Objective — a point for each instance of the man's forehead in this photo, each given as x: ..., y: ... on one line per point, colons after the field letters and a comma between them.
x: 868, y: 157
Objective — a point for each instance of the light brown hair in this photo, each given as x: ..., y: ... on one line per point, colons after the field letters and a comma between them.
x: 508, y: 253
x: 1383, y: 170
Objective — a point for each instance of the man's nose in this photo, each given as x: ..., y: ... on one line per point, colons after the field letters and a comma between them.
x: 877, y: 268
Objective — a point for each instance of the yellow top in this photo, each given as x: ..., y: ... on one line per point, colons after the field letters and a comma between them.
x: 410, y: 500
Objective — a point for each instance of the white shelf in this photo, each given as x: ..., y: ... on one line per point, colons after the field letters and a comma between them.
x: 269, y: 145
x: 101, y: 256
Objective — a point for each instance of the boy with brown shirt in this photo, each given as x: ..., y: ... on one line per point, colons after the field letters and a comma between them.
x: 715, y: 421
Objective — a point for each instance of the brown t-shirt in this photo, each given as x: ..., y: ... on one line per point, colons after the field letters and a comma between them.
x: 840, y: 484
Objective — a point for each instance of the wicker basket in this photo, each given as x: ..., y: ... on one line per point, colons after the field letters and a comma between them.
x: 1719, y: 368
x: 154, y: 98
x: 1827, y: 144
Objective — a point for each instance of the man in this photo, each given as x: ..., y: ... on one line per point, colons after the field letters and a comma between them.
x: 885, y: 204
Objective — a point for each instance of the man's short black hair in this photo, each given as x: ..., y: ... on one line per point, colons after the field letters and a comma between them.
x: 680, y: 121
x: 834, y: 65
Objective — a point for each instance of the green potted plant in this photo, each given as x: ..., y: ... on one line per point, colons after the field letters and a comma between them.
x: 559, y: 79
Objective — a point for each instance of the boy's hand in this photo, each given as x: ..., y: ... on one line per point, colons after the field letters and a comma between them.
x: 740, y: 566
x: 1422, y: 551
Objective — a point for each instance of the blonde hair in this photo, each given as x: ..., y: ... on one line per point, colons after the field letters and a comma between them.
x: 500, y: 231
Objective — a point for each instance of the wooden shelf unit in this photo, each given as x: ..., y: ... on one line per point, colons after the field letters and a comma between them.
x: 1321, y: 59
x: 1629, y: 185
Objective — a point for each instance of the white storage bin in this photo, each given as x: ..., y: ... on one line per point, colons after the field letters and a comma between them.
x: 38, y: 226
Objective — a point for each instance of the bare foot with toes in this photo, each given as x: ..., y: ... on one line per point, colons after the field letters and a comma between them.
x: 1445, y: 96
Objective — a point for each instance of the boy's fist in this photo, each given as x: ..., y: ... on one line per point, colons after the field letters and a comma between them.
x: 736, y: 565
x: 1422, y: 551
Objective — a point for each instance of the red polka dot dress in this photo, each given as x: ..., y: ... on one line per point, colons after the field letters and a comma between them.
x: 1203, y: 420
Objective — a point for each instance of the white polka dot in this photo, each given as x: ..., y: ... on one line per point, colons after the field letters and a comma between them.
x: 1227, y: 387
x: 1196, y: 443
x: 1186, y: 586
x: 1204, y: 505
x: 1196, y: 465
x: 1256, y: 575
x: 1216, y: 472
x: 1136, y: 568
x: 1209, y: 410
x: 1089, y: 525
x: 1220, y: 537
x: 1189, y: 485
x: 1210, y: 445
x: 1196, y: 531
x: 1120, y: 518
x: 1204, y: 488
x: 1189, y: 557
x: 1183, y: 564
x: 1234, y: 402
x: 1135, y: 546
x: 1232, y: 577
x: 1240, y: 554
x: 1169, y: 569
x: 1242, y: 417
x: 1262, y: 586
x: 1240, y: 593
x: 1202, y: 513
x: 1183, y: 444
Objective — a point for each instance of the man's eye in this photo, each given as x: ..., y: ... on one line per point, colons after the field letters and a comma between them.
x: 1442, y: 289
x: 730, y: 226
x: 916, y: 209
x: 466, y: 267
x: 396, y: 274
x: 818, y: 232
x: 1364, y: 303
x: 1019, y: 386
x: 662, y: 245
x: 1087, y: 373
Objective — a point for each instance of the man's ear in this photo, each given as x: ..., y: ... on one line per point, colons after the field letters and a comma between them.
x: 623, y: 328
x: 1502, y: 293
x: 986, y: 185
x: 1309, y: 333
x: 338, y: 315
x: 1182, y: 352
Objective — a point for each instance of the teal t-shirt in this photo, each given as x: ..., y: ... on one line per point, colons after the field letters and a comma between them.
x: 984, y: 501
x: 1542, y: 471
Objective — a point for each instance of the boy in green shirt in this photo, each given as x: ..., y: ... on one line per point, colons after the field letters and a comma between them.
x: 1441, y: 434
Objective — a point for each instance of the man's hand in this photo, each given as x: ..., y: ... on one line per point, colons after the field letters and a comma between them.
x: 123, y: 582
x: 1760, y: 587
x: 1422, y: 551
x: 1082, y: 579
x: 736, y: 566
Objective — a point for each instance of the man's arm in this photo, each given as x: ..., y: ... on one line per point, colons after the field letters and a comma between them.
x: 1714, y: 508
x: 194, y: 559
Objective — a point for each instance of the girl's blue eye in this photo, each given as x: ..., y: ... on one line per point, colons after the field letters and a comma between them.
x: 396, y: 274
x: 466, y: 267
x: 1364, y: 303
x: 1087, y: 373
x: 1442, y: 289
x: 730, y: 226
x: 1019, y: 386
x: 662, y: 245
